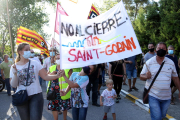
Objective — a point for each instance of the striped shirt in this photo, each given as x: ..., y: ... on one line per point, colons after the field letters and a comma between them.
x: 161, y: 87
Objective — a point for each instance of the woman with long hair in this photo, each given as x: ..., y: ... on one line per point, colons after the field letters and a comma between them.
x: 63, y: 102
x: 31, y: 110
x: 117, y: 71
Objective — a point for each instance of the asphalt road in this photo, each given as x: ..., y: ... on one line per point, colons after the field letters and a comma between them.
x: 125, y: 110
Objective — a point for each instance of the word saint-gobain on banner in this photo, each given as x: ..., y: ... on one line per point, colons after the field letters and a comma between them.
x: 107, y: 37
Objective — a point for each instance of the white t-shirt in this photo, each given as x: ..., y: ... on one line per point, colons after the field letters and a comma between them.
x: 36, y: 59
x: 33, y: 86
x: 161, y: 87
x: 47, y: 63
x: 108, y: 97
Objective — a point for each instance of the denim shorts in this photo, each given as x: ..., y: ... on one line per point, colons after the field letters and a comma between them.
x: 158, y: 108
x: 131, y: 73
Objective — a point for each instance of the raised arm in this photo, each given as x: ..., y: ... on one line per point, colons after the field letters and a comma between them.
x: 44, y: 75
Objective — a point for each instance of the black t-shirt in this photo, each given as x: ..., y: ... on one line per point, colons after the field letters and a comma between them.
x: 103, y: 66
x: 94, y: 75
x: 119, y: 69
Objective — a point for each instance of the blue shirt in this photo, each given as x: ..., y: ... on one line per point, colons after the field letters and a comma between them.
x: 175, y: 60
x: 79, y: 97
x: 131, y: 66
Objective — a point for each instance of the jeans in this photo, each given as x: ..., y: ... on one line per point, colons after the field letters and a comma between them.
x: 103, y: 76
x: 8, y: 86
x: 79, y: 113
x: 158, y: 108
x: 94, y: 90
x: 33, y: 109
x: 40, y: 80
x: 47, y: 83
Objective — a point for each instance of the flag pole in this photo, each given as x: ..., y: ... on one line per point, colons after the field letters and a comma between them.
x: 10, y: 31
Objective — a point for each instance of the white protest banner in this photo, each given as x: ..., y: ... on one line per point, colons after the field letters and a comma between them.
x: 108, y: 37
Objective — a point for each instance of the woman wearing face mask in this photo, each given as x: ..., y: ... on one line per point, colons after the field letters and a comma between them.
x: 60, y: 103
x: 32, y: 110
x: 174, y: 58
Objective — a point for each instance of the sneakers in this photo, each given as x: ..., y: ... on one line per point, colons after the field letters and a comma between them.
x: 105, y: 118
x: 97, y: 105
x: 117, y: 100
x: 118, y: 97
x: 124, y: 84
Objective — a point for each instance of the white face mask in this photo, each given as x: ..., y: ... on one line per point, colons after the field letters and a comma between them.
x: 32, y: 54
x: 58, y: 62
x: 27, y: 54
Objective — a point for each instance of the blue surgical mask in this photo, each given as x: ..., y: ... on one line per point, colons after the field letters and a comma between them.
x: 170, y: 52
x: 52, y: 53
x: 32, y: 54
x: 27, y: 54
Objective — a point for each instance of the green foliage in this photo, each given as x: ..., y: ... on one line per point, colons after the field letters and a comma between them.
x: 132, y: 6
x: 154, y: 21
x: 26, y: 13
x: 159, y: 22
x: 170, y: 23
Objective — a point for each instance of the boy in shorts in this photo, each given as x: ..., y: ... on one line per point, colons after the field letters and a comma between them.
x: 109, y: 95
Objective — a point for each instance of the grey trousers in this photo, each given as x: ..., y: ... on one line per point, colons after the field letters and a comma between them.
x: 33, y: 109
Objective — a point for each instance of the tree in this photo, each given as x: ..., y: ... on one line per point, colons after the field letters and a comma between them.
x: 26, y: 13
x: 170, y: 23
x: 147, y: 25
x: 132, y: 6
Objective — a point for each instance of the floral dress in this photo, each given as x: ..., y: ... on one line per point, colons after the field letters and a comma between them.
x: 58, y: 104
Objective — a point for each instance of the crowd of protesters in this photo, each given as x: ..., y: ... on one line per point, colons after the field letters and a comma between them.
x: 72, y: 87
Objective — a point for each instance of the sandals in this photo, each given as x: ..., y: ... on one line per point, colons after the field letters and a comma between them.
x: 60, y: 112
x: 129, y: 90
x: 135, y: 88
x: 172, y: 103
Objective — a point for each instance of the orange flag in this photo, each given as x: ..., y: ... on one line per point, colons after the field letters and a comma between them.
x: 33, y: 38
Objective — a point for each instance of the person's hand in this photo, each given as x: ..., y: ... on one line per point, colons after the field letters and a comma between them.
x: 62, y: 73
x: 101, y: 103
x: 114, y: 97
x: 62, y: 93
x: 3, y: 78
x: 14, y: 69
x: 148, y: 75
x: 58, y: 74
x: 53, y: 73
x: 130, y: 62
x: 110, y: 77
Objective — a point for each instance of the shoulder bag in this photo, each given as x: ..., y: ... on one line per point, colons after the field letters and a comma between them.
x: 21, y: 97
x: 51, y: 95
x: 146, y: 91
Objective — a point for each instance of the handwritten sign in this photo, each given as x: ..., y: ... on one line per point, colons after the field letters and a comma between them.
x: 108, y: 37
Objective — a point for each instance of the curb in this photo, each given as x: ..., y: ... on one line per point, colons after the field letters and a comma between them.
x: 9, y: 116
x: 140, y: 103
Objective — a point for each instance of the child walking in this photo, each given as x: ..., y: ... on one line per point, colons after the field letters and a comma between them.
x: 79, y: 98
x: 109, y: 95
